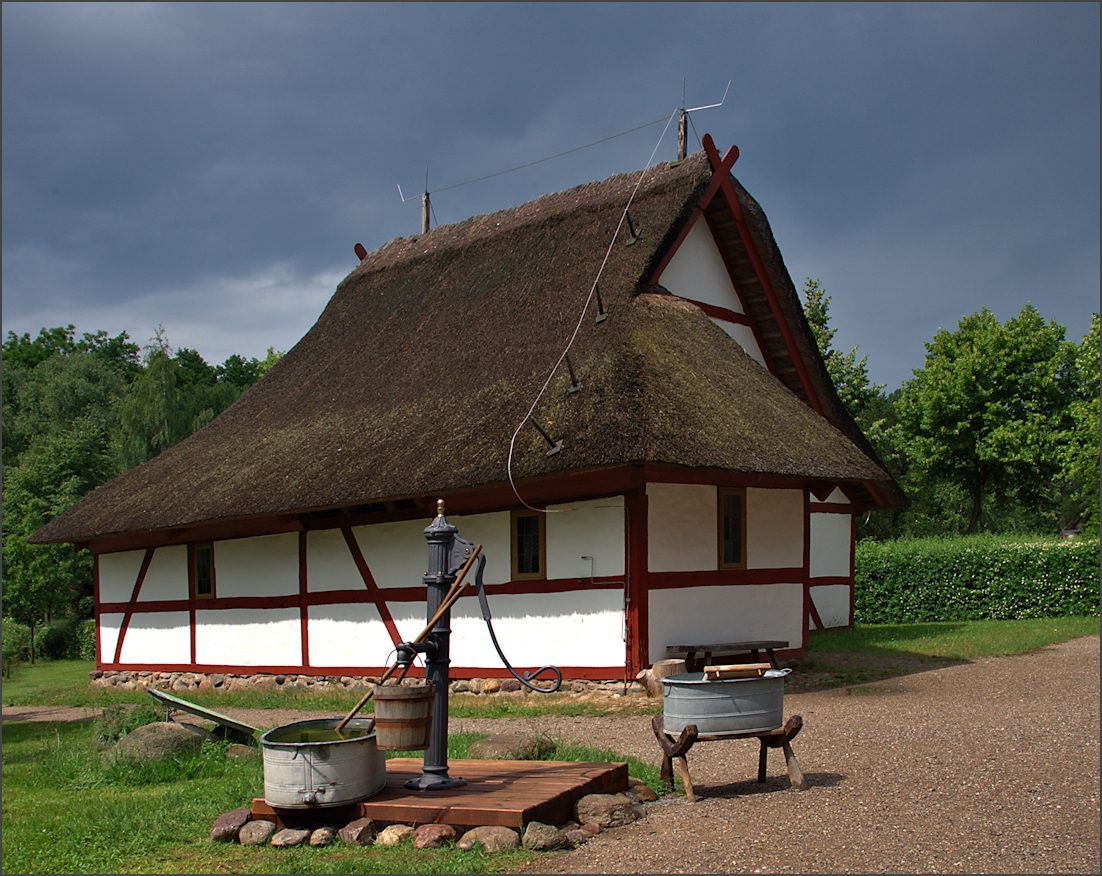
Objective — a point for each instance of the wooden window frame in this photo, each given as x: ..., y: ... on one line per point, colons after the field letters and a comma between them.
x: 514, y: 517
x: 193, y: 569
x: 722, y: 494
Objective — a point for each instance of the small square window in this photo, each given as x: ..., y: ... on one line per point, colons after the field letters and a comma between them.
x: 529, y: 545
x: 202, y: 570
x: 732, y: 529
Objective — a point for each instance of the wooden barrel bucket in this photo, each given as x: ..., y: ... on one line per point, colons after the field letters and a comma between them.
x: 403, y: 717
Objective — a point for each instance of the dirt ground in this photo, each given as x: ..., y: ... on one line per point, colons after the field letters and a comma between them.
x: 990, y: 766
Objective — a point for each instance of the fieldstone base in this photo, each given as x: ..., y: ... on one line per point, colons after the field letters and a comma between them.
x: 183, y: 682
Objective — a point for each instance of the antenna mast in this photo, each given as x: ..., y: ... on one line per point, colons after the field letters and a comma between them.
x: 682, y: 128
x: 425, y: 210
x: 683, y: 122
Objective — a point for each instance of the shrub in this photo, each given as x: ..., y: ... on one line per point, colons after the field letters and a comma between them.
x: 17, y: 642
x: 975, y: 578
x: 51, y: 641
x: 82, y: 643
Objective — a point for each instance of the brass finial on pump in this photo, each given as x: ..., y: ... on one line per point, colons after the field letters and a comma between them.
x: 439, y: 507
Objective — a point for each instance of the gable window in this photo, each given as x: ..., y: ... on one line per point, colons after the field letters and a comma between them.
x: 529, y: 545
x: 201, y: 569
x: 732, y: 529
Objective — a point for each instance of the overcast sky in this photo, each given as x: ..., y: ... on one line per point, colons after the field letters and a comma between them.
x: 210, y: 167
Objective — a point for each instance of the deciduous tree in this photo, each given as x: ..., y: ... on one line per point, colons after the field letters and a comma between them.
x: 987, y: 410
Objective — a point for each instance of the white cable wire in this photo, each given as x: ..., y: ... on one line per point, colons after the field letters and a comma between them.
x: 581, y: 317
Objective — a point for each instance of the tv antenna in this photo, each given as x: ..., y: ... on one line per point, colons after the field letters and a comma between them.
x: 683, y: 122
x: 425, y: 206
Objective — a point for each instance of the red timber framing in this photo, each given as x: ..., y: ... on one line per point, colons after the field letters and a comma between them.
x: 629, y: 482
x: 372, y: 587
x: 846, y: 580
x: 637, y: 604
x: 712, y: 310
x: 303, y: 599
x: 721, y: 184
x: 133, y: 600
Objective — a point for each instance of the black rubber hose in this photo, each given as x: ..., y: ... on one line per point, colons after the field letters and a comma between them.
x: 525, y: 679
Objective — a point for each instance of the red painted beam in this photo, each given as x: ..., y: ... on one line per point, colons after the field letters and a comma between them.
x: 372, y: 587
x: 303, y: 596
x: 133, y: 600
x: 721, y: 169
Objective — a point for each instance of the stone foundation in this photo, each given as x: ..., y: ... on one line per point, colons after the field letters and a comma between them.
x: 218, y: 681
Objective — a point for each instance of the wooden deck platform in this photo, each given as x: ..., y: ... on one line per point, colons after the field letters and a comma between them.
x: 506, y: 793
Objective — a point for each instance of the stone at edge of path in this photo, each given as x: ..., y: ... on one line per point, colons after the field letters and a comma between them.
x: 394, y: 835
x: 539, y: 837
x: 605, y: 810
x: 432, y: 836
x: 493, y: 839
x: 290, y: 836
x: 256, y: 833
x: 228, y: 825
x: 323, y: 836
x: 360, y: 832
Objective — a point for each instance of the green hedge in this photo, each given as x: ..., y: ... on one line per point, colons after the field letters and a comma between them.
x: 975, y: 578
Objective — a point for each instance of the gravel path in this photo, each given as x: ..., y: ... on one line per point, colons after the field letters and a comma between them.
x: 983, y: 767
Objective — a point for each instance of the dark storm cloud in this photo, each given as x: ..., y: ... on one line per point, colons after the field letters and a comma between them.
x: 210, y: 166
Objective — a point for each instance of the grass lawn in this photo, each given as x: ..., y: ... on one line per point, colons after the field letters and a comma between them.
x: 66, y: 683
x: 963, y: 640
x: 64, y: 811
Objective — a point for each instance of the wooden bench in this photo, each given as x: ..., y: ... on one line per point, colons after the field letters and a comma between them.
x: 726, y: 649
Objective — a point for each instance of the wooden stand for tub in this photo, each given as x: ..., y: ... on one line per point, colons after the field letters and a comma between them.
x: 679, y: 748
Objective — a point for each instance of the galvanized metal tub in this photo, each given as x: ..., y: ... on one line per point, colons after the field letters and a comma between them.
x: 728, y: 707
x: 306, y: 767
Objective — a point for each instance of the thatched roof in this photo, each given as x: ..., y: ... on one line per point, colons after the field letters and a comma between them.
x: 429, y: 354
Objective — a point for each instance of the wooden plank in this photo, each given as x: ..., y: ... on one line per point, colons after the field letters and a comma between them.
x: 725, y: 647
x: 500, y: 793
x: 200, y: 712
x: 736, y: 670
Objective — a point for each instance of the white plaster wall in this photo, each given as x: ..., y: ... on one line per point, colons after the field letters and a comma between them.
x: 492, y: 531
x: 396, y: 553
x: 837, y: 497
x: 249, y: 637
x: 830, y: 545
x: 567, y: 629
x: 354, y: 635
x: 743, y: 335
x: 774, y: 529
x: 117, y: 574
x: 697, y: 271
x: 157, y: 637
x: 746, y: 612
x: 586, y: 529
x: 329, y: 563
x: 109, y: 625
x: 682, y: 532
x: 583, y: 628
x: 832, y: 603
x: 167, y: 575
x: 266, y: 565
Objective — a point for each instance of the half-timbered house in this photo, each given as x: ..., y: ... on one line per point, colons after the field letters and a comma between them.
x: 687, y: 474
